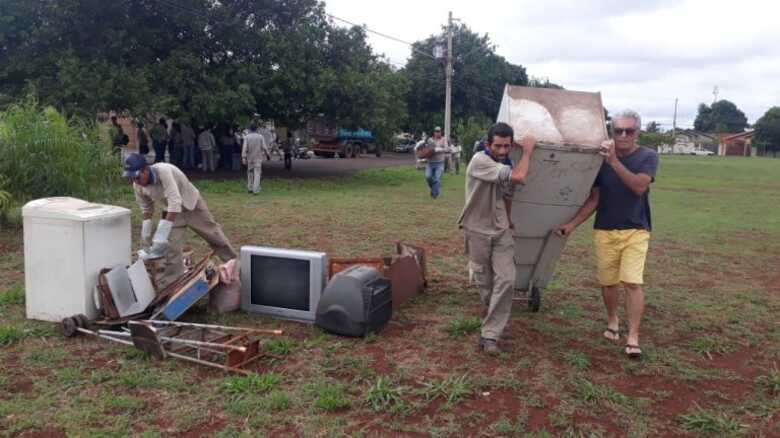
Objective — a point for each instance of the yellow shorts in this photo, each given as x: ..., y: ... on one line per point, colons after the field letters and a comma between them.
x: 620, y: 255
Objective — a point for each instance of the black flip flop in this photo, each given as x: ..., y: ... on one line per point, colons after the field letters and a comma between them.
x: 633, y: 355
x: 614, y: 332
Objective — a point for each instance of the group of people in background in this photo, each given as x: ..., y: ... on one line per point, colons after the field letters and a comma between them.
x: 189, y: 149
x: 207, y: 148
x: 223, y: 146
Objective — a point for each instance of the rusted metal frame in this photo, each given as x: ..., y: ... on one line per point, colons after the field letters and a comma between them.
x: 253, y: 353
x: 209, y: 364
x: 237, y: 338
x: 115, y: 337
x: 193, y: 343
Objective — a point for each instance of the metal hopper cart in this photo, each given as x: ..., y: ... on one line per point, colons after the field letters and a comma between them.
x: 569, y: 127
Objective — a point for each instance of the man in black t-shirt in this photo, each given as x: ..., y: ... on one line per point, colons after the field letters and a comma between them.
x: 620, y: 198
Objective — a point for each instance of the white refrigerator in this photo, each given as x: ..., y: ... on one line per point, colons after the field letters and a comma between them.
x: 67, y: 241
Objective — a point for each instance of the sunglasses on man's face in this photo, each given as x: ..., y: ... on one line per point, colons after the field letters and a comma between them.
x: 628, y: 131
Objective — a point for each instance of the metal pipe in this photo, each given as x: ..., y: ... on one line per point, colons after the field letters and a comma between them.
x: 192, y: 324
x: 178, y: 340
x: 202, y: 343
x: 109, y: 338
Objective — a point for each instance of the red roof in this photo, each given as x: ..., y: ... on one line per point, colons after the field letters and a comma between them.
x: 745, y: 135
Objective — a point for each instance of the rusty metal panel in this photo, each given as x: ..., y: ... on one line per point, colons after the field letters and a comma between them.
x: 406, y: 279
x: 338, y: 264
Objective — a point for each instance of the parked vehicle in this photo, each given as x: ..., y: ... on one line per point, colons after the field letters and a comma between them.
x: 703, y: 152
x: 405, y: 146
x: 330, y: 141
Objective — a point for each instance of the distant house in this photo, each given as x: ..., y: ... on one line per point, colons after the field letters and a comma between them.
x: 739, y: 145
x: 688, y: 141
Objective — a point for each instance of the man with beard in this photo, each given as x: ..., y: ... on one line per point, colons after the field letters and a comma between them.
x: 487, y: 224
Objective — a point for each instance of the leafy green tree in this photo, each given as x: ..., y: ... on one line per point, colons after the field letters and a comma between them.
x: 653, y: 127
x: 722, y: 117
x: 470, y: 131
x: 478, y: 80
x: 767, y: 133
x: 201, y: 60
x: 655, y: 139
x: 543, y: 83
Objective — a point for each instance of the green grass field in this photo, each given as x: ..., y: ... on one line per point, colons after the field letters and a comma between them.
x: 710, y: 335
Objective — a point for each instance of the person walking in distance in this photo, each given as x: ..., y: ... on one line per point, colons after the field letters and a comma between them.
x: 435, y: 165
x: 254, y: 150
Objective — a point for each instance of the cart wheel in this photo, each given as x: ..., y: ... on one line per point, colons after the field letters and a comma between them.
x: 535, y: 300
x: 69, y: 327
x: 82, y: 321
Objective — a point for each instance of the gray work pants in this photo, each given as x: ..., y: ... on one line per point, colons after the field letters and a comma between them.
x: 203, y: 224
x: 253, y: 175
x: 491, y: 261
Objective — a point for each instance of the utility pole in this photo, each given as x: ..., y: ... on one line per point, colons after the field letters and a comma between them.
x: 448, y: 95
x: 674, y: 126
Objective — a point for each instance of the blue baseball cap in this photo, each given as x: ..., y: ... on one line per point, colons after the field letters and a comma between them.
x: 134, y: 164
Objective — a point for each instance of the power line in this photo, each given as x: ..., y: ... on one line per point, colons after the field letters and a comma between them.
x: 398, y: 40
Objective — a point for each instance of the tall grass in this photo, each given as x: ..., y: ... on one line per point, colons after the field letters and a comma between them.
x: 42, y: 153
x: 5, y: 197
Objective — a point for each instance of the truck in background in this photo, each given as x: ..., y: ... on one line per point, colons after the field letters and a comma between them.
x: 328, y: 140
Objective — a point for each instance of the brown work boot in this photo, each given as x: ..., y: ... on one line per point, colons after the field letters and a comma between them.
x: 489, y: 346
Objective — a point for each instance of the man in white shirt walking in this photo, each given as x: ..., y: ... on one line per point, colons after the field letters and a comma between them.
x: 254, y: 150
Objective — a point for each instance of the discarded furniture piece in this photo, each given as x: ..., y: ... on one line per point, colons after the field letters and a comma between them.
x: 356, y: 302
x: 408, y: 273
x: 227, y: 348
x: 569, y: 127
x: 124, y: 294
x: 188, y: 294
x: 406, y: 270
x: 338, y: 264
x: 131, y: 289
x: 66, y: 243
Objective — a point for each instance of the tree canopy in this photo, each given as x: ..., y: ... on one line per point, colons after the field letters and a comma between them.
x: 721, y: 117
x: 209, y: 61
x: 478, y: 80
x: 203, y: 60
x: 767, y: 128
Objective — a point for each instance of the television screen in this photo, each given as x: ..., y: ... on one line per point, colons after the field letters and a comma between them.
x: 284, y: 283
x: 280, y: 282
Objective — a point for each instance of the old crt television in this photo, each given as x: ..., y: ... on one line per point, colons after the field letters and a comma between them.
x: 284, y: 283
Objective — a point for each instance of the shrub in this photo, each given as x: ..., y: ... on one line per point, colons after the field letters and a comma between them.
x: 42, y: 154
x: 5, y: 198
x: 470, y: 131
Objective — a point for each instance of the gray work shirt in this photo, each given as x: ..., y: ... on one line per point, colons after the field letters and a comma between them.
x: 488, y: 184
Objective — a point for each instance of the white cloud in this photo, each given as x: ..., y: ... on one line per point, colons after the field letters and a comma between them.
x: 640, y: 54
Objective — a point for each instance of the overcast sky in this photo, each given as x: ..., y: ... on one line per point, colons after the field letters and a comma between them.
x: 638, y: 54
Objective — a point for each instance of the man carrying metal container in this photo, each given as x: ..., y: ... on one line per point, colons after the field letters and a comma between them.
x: 620, y: 198
x: 486, y: 222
